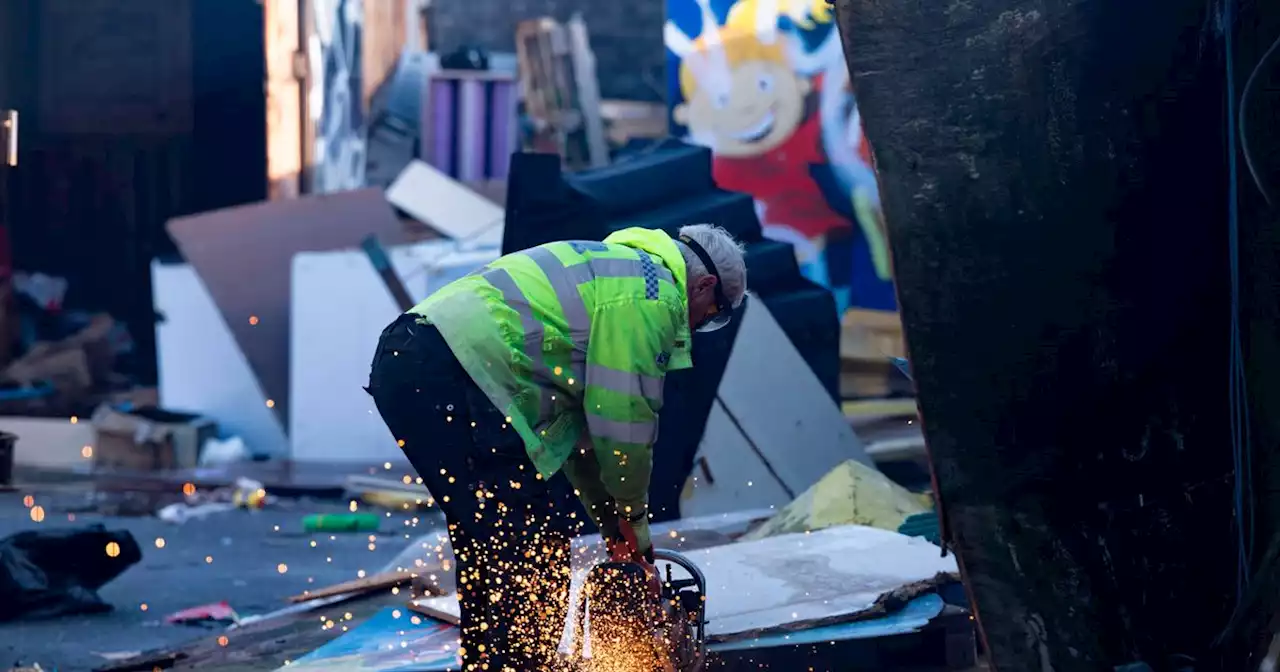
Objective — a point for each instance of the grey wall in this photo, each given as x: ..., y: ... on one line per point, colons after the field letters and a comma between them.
x: 626, y: 36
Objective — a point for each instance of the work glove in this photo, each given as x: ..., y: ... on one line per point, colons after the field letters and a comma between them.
x: 623, y: 549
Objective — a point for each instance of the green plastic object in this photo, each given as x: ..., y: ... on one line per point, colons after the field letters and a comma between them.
x: 341, y: 522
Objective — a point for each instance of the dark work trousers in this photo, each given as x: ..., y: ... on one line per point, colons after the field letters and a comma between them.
x: 510, y: 529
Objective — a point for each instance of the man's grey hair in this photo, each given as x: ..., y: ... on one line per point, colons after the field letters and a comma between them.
x: 726, y: 254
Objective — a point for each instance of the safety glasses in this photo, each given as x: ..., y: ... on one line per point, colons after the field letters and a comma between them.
x: 722, y: 312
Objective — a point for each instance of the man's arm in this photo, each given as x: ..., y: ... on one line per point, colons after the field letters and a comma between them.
x: 627, y: 356
x: 583, y: 472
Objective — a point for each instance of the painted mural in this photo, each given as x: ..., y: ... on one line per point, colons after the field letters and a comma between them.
x: 763, y: 84
x: 335, y: 50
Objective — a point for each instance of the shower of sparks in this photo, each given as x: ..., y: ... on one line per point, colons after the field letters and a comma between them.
x: 37, y: 514
x: 188, y: 489
x: 282, y: 568
x: 28, y: 501
x: 159, y: 542
x: 113, y: 549
x: 271, y: 403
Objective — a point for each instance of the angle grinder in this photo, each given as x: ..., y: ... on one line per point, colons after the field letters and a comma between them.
x: 624, y: 628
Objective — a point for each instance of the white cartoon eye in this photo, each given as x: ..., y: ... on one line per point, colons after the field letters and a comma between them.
x: 765, y: 82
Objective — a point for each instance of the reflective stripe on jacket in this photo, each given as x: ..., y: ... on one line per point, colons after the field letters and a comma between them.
x: 572, y: 339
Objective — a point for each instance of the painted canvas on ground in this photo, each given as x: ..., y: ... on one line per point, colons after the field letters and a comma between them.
x: 393, y: 640
x: 763, y: 84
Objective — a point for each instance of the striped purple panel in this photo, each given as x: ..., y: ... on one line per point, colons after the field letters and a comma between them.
x: 502, y: 142
x: 470, y: 130
x: 470, y: 127
x: 438, y: 150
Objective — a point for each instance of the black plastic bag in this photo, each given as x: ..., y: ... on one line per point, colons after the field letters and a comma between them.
x: 58, y: 572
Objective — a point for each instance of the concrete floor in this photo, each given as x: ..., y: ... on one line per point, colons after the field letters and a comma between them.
x: 246, y: 548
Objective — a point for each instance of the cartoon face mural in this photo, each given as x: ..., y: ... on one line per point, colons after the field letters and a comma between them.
x: 763, y: 84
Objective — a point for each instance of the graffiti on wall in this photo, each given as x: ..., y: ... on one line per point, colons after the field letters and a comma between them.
x: 763, y: 84
x: 334, y: 99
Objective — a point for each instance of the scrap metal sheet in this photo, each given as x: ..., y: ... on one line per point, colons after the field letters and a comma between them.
x: 800, y: 581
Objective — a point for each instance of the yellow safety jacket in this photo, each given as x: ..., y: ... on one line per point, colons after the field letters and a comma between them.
x: 572, y: 341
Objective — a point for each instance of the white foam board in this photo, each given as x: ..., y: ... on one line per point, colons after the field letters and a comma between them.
x: 338, y: 308
x: 201, y: 369
x: 437, y: 200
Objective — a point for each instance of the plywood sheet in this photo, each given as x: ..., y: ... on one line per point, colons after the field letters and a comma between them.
x: 282, y: 36
x: 244, y: 257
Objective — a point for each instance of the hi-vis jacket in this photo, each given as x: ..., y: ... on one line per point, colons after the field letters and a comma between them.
x: 572, y: 340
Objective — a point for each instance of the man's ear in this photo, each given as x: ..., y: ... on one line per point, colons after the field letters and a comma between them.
x: 681, y: 114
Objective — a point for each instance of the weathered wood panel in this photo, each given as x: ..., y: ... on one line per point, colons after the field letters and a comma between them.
x: 282, y: 39
x: 386, y: 26
x: 1054, y: 182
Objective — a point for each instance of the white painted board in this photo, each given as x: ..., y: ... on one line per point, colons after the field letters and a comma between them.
x: 739, y: 479
x: 437, y: 200
x: 782, y: 408
x: 201, y: 368
x: 793, y: 580
x: 338, y: 308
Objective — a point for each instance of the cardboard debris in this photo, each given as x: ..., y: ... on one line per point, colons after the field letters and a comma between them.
x: 244, y: 256
x: 149, y: 439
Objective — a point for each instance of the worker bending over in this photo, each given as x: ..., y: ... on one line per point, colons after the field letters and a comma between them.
x: 546, y: 360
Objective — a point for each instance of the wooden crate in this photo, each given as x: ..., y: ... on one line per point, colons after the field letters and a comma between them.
x: 561, y: 94
x: 868, y: 339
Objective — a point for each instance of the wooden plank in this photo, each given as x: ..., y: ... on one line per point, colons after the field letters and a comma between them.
x: 284, y: 98
x: 871, y: 335
x: 385, y: 580
x: 387, y: 26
